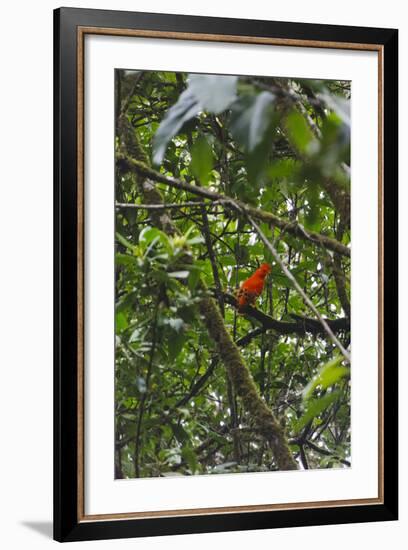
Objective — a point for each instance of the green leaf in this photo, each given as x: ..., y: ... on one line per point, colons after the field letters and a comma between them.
x: 193, y: 279
x: 186, y: 108
x: 300, y: 134
x: 190, y: 457
x: 175, y: 343
x: 314, y: 408
x: 312, y: 215
x: 328, y: 375
x: 215, y: 93
x: 121, y: 322
x: 129, y: 416
x: 180, y: 433
x: 199, y: 239
x: 340, y: 105
x: 250, y: 118
x: 124, y: 259
x: 149, y: 236
x: 202, y: 160
x: 284, y: 168
x: 124, y: 242
x: 188, y: 313
x: 256, y: 162
x: 136, y: 335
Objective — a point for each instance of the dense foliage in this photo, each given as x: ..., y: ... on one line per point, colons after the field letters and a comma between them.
x: 277, y: 146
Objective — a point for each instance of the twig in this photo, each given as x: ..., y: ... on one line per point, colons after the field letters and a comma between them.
x: 299, y: 289
x: 198, y: 385
x: 325, y: 452
x: 211, y: 254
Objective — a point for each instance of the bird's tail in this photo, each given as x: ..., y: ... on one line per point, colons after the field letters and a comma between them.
x: 244, y: 299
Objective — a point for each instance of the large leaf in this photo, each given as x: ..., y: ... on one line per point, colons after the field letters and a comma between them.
x: 175, y: 343
x: 340, y: 105
x: 312, y: 212
x: 121, y: 322
x: 284, y: 168
x: 213, y: 93
x: 250, y: 118
x: 186, y: 107
x: 202, y: 160
x: 180, y: 433
x: 327, y: 376
x: 124, y: 242
x: 149, y: 236
x: 299, y: 133
x: 315, y: 407
x: 190, y: 457
x: 124, y: 259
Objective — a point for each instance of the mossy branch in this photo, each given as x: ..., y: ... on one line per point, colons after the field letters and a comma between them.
x: 300, y: 326
x: 263, y: 418
x: 290, y: 227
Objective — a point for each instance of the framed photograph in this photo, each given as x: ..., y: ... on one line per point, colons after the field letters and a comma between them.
x: 225, y: 274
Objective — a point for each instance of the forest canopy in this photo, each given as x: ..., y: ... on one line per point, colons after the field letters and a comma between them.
x: 215, y: 176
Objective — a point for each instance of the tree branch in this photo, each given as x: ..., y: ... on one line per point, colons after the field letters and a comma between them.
x: 164, y: 206
x: 293, y: 228
x: 301, y: 326
x: 211, y: 254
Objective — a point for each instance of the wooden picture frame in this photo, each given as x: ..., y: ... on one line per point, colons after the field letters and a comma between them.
x: 71, y: 26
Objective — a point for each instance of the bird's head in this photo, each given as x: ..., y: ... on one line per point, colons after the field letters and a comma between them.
x: 264, y: 269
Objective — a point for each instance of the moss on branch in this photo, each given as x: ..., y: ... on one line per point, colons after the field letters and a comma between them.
x: 263, y: 418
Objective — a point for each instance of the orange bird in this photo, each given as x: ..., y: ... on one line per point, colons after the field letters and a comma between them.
x: 252, y: 287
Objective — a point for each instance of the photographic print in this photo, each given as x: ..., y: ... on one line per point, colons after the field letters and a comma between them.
x: 225, y: 204
x: 232, y: 274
